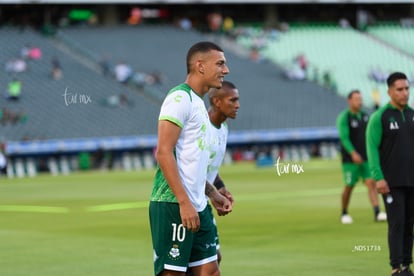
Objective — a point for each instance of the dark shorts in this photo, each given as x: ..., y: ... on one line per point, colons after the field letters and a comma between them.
x: 176, y: 248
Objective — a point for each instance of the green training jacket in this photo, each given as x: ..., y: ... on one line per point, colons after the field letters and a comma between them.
x: 390, y: 145
x: 351, y: 128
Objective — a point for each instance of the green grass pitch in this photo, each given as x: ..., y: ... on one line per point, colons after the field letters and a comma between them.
x: 96, y: 223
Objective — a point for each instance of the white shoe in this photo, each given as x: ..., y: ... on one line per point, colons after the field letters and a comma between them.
x: 346, y: 219
x: 381, y: 216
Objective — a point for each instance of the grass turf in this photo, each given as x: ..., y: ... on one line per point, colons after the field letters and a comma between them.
x: 97, y: 224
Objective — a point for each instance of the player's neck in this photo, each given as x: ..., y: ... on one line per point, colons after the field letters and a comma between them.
x: 397, y: 106
x: 354, y: 110
x: 216, y: 118
x: 196, y: 86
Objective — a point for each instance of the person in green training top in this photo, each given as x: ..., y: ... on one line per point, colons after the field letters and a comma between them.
x: 390, y: 148
x: 351, y: 124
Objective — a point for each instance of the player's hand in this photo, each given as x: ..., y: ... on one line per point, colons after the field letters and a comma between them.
x: 227, y: 194
x: 222, y: 205
x: 356, y: 158
x: 189, y: 216
x: 382, y: 187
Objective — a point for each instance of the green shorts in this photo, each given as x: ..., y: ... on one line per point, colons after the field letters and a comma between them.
x: 176, y: 248
x: 216, y: 237
x: 353, y: 172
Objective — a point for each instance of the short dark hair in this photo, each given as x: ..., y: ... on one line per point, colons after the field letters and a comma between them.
x: 394, y: 77
x: 218, y: 92
x: 355, y: 91
x: 201, y: 47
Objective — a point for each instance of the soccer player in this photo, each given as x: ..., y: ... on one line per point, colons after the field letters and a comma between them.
x: 390, y: 147
x: 181, y: 224
x: 224, y: 103
x: 351, y: 124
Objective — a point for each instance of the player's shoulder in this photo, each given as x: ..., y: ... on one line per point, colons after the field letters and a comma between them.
x: 224, y: 125
x: 342, y: 116
x: 343, y: 113
x: 180, y: 91
x: 410, y: 109
x: 379, y: 113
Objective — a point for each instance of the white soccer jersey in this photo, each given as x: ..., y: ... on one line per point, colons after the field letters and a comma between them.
x: 217, y: 150
x: 186, y: 109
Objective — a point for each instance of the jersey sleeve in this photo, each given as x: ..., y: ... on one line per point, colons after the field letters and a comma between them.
x: 176, y: 108
x: 343, y: 130
x: 373, y: 141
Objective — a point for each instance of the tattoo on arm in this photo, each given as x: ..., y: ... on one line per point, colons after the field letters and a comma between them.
x: 209, y: 189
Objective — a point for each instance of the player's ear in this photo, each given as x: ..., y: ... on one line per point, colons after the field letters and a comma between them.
x: 199, y: 67
x: 216, y: 101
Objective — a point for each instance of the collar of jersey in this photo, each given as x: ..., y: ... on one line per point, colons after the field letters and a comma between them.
x: 192, y: 90
x: 393, y: 107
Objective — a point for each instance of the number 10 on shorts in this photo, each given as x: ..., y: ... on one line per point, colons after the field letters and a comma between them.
x: 178, y: 232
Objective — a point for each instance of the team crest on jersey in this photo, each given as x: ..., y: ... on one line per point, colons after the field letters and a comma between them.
x: 174, y: 252
x: 365, y: 118
x: 354, y: 123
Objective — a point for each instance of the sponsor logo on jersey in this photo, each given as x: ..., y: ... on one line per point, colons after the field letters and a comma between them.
x: 394, y: 125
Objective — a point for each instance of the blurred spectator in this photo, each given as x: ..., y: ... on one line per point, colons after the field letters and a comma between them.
x: 56, y: 72
x: 344, y: 23
x: 302, y: 61
x: 255, y: 54
x: 284, y: 27
x: 7, y: 116
x: 362, y: 18
x: 20, y: 65
x: 141, y: 79
x: 315, y: 74
x: 295, y: 72
x: 228, y: 25
x: 135, y: 16
x: 118, y: 101
x: 328, y: 81
x: 260, y: 42
x: 376, y: 97
x: 214, y: 21
x: 105, y: 66
x: 16, y: 65
x: 185, y: 24
x: 24, y: 52
x: 9, y: 66
x: 123, y: 72
x: 377, y: 75
x: 14, y: 90
x: 35, y: 53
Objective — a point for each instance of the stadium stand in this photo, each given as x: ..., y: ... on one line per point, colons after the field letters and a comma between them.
x: 348, y: 54
x: 274, y: 109
x: 394, y: 34
x: 268, y: 100
x: 82, y: 112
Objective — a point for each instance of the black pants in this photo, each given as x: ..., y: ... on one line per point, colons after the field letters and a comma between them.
x: 400, y: 216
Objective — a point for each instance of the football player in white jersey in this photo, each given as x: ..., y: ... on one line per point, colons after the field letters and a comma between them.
x: 182, y: 226
x: 224, y: 103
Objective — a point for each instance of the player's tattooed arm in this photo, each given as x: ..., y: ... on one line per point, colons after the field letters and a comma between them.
x: 220, y: 202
